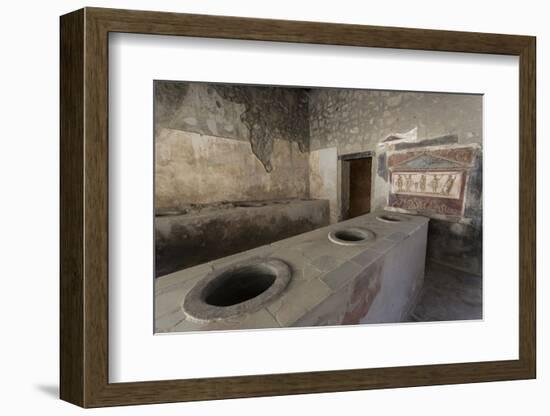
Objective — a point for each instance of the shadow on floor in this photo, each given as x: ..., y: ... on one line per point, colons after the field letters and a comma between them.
x: 448, y: 295
x: 49, y: 390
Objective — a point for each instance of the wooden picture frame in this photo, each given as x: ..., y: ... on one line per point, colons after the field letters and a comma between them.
x: 84, y: 207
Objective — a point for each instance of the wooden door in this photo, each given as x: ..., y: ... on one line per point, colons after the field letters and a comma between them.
x: 359, y: 186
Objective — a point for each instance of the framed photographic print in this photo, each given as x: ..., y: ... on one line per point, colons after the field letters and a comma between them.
x: 255, y: 207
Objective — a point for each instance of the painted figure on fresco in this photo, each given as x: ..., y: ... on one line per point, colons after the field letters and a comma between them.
x: 435, y: 183
x: 399, y: 182
x: 422, y: 183
x: 408, y: 182
x: 449, y: 184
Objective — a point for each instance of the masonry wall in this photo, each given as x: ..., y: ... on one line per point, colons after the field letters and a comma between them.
x: 354, y: 121
x: 192, y: 168
x: 217, y: 142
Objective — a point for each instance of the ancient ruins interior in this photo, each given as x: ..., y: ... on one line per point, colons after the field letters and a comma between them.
x: 285, y: 206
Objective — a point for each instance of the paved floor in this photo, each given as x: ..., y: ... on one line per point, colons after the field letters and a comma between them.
x: 448, y: 295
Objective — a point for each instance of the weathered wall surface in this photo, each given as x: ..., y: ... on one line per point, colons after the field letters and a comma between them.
x: 356, y: 121
x: 259, y: 115
x: 196, y: 108
x: 197, y: 169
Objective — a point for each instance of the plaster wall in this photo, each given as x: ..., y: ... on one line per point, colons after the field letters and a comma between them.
x: 192, y: 168
x: 255, y: 114
x: 323, y: 178
x: 217, y: 142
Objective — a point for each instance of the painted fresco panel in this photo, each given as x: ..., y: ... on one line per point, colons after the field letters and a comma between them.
x: 428, y: 183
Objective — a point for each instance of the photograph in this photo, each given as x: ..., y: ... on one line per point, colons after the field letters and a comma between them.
x: 282, y: 206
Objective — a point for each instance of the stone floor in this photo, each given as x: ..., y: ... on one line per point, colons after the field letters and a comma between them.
x: 448, y: 295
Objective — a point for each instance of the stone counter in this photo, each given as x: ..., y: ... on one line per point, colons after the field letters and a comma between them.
x: 220, y: 230
x: 375, y: 282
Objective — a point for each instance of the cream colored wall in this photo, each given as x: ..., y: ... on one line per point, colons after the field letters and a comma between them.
x: 192, y: 168
x: 323, y: 178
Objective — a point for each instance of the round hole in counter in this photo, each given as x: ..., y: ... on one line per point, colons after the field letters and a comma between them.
x: 351, y: 236
x: 239, y: 285
x: 237, y: 289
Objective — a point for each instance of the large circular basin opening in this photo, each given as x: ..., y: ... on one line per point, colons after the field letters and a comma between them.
x: 237, y: 289
x: 236, y: 286
x: 351, y: 236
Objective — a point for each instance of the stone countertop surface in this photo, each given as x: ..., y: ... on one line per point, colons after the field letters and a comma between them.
x: 319, y: 269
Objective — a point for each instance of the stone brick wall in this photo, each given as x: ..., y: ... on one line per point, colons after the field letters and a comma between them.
x: 356, y: 120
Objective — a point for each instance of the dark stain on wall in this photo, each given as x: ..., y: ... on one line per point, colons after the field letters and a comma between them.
x: 271, y: 113
x: 456, y: 245
x: 249, y: 113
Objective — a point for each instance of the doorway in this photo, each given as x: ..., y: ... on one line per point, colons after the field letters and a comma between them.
x: 356, y: 184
